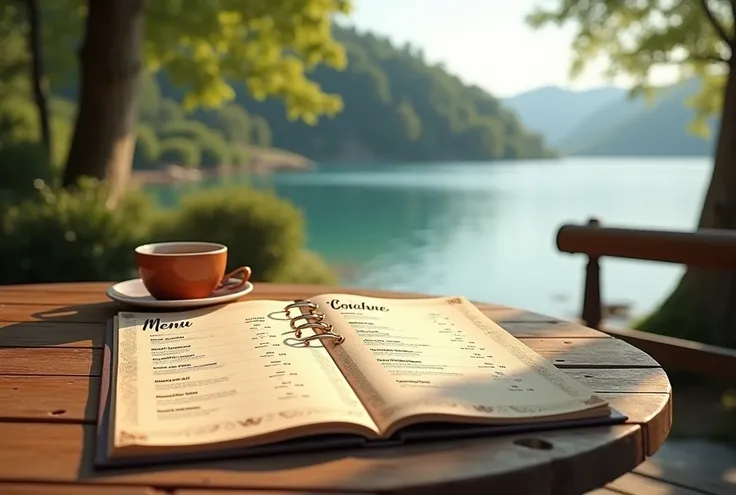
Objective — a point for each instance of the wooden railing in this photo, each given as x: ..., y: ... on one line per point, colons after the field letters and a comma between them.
x: 711, y: 249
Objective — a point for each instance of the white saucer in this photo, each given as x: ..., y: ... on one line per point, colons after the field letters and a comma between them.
x: 134, y: 293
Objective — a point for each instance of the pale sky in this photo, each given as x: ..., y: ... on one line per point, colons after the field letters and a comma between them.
x: 484, y: 42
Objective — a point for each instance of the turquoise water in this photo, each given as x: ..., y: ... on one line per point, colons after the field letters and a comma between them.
x: 487, y: 231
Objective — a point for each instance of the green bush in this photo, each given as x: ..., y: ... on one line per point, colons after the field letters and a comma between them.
x: 239, y: 156
x: 147, y: 148
x: 61, y: 236
x: 21, y: 165
x: 214, y: 150
x: 260, y: 229
x: 305, y: 268
x: 180, y: 151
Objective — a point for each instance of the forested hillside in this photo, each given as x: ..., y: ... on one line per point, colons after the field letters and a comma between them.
x: 609, y: 121
x: 554, y: 111
x: 634, y: 127
x: 396, y: 107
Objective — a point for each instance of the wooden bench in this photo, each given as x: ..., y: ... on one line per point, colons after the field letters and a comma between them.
x: 713, y: 249
x: 704, y: 249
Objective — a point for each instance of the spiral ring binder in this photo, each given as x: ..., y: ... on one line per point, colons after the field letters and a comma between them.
x: 312, y: 319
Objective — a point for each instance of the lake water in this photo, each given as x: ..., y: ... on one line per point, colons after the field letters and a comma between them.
x: 487, y: 230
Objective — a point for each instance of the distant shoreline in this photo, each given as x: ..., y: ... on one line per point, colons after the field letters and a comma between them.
x: 263, y: 160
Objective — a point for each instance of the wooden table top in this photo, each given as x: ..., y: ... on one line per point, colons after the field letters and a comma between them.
x: 51, y: 339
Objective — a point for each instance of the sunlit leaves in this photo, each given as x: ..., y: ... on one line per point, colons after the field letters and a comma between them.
x: 271, y: 45
x: 638, y: 37
x: 268, y: 44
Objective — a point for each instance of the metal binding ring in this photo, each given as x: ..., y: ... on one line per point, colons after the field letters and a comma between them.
x: 309, y: 317
x: 298, y: 329
x: 336, y: 338
x: 300, y: 304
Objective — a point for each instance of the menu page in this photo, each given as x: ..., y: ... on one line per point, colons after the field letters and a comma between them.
x: 221, y: 374
x: 443, y: 356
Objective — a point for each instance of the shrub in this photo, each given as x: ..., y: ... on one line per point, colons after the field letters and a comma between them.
x: 305, y: 268
x: 62, y: 235
x: 260, y: 229
x: 147, y: 148
x: 180, y: 151
x: 21, y: 164
x: 239, y: 156
x: 214, y: 150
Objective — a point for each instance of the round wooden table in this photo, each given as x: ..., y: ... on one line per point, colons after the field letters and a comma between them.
x: 50, y: 357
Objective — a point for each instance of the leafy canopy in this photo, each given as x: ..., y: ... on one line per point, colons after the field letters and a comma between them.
x: 271, y: 45
x: 640, y: 36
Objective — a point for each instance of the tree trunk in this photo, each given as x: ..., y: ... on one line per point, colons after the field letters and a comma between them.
x: 110, y: 64
x: 703, y: 305
x: 38, y: 80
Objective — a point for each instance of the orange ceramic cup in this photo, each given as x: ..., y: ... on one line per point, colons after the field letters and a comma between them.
x: 187, y: 270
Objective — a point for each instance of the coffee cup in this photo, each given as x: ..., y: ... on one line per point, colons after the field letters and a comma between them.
x: 187, y: 270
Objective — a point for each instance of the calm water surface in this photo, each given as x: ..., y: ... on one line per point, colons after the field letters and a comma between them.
x: 487, y: 231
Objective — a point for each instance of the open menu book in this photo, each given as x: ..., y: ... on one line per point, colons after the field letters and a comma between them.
x: 262, y: 376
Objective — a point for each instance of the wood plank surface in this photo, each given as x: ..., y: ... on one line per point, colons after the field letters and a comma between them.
x: 687, y: 477
x: 49, y: 398
x: 564, y: 353
x: 63, y: 361
x: 51, y: 334
x: 599, y: 353
x: 77, y: 489
x: 204, y: 491
x: 86, y: 335
x: 50, y: 358
x: 74, y: 399
x: 35, y: 397
x: 572, y: 461
x: 636, y: 484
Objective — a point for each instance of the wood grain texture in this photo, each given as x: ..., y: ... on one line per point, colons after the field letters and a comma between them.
x: 687, y: 477
x: 75, y: 489
x: 61, y: 302
x: 636, y: 484
x: 49, y: 398
x: 51, y: 334
x: 50, y: 358
x: 205, y: 491
x: 34, y: 397
x: 564, y: 353
x: 63, y: 361
x: 62, y: 453
x: 91, y: 335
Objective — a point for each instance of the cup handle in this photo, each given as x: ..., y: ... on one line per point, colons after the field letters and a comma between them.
x: 225, y: 287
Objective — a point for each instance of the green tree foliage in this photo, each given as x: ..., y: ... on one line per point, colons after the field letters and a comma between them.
x: 270, y: 45
x: 399, y: 107
x: 260, y: 229
x: 261, y: 134
x: 180, y: 151
x: 213, y: 148
x: 638, y: 38
x: 231, y: 121
x: 58, y: 236
x: 697, y: 37
x: 147, y: 148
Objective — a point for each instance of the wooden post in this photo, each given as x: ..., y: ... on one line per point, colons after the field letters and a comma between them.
x: 592, y: 311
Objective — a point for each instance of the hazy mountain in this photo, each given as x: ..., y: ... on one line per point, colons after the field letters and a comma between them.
x: 555, y: 112
x: 637, y: 127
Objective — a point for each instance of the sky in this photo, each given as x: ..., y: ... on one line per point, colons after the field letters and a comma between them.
x: 484, y: 42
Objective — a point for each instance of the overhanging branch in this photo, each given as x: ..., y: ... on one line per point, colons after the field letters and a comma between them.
x: 720, y: 30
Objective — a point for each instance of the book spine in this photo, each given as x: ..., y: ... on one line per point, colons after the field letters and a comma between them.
x: 310, y: 318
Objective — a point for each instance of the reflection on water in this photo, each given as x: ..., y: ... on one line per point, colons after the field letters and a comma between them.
x: 488, y: 231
